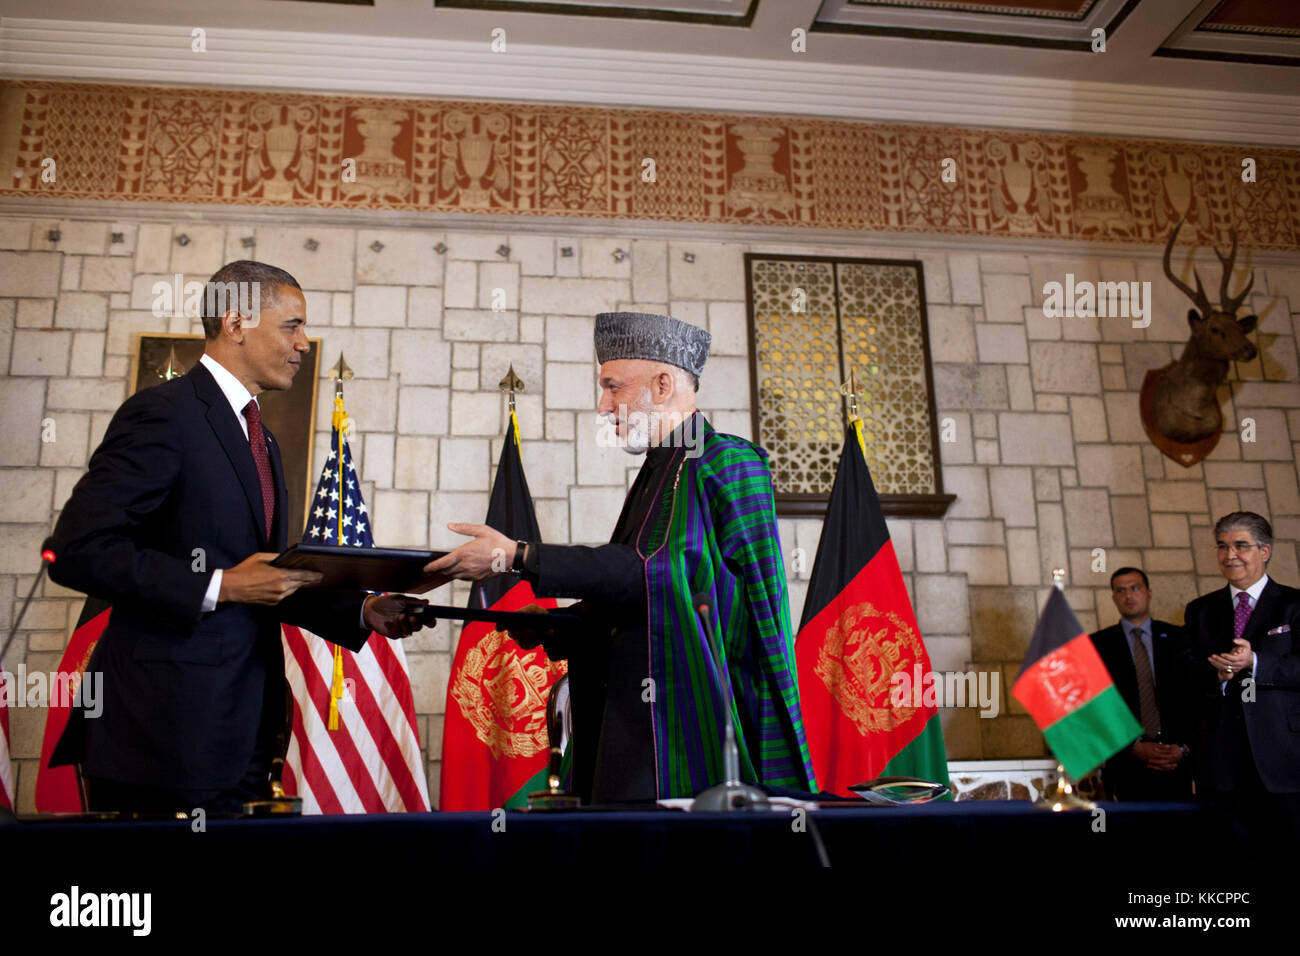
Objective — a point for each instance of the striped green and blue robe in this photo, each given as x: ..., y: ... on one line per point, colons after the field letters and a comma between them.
x: 713, y: 531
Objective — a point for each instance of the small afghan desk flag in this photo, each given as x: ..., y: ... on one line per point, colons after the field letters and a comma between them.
x: 1068, y: 691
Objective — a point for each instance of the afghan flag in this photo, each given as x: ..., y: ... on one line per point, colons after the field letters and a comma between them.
x: 1067, y: 690
x: 56, y: 787
x: 495, y: 748
x: 860, y: 655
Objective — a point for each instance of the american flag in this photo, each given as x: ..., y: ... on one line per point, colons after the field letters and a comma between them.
x: 371, y: 763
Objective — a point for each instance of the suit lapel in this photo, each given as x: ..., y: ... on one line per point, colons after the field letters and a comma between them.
x: 1164, y: 652
x: 280, y: 527
x: 1218, y: 622
x: 231, y: 437
x: 1125, y: 673
x: 1166, y: 662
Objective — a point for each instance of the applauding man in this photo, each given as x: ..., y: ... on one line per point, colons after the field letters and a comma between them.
x: 1247, y: 636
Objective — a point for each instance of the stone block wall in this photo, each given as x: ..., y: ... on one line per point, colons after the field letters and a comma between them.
x: 1049, y: 464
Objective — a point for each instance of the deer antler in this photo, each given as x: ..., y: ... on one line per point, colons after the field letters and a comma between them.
x: 1199, y: 298
x: 1230, y: 304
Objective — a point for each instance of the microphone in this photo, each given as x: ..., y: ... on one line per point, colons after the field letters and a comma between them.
x: 730, y: 795
x: 47, y: 558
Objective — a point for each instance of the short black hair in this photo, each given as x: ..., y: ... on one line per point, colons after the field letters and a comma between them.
x: 1122, y: 571
x: 229, y: 285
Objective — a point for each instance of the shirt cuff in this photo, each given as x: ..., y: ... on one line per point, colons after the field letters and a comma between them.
x: 361, y: 615
x: 213, y: 592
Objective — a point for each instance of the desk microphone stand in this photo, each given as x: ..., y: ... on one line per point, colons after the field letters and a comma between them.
x: 732, y: 794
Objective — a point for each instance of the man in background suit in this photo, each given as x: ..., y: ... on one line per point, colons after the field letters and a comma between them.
x: 1245, y: 636
x: 1145, y: 658
x: 174, y: 523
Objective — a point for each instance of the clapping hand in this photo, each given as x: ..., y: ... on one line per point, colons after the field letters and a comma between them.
x: 1233, y: 662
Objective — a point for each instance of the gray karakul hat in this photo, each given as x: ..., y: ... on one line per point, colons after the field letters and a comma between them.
x: 659, y: 338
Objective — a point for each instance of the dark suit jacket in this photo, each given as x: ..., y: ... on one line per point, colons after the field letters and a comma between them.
x: 1268, y: 728
x: 1126, y: 777
x: 171, y: 494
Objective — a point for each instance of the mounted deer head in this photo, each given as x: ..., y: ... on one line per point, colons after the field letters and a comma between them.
x: 1180, y: 401
x: 1217, y: 331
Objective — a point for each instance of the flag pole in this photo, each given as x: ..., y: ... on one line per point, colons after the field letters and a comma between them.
x: 510, y: 384
x: 339, y: 422
x: 1063, y: 796
x: 554, y: 797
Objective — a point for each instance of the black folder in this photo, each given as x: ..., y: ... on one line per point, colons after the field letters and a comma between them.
x: 401, y: 570
x: 370, y: 569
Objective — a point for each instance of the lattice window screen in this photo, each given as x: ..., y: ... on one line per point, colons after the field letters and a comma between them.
x: 811, y: 321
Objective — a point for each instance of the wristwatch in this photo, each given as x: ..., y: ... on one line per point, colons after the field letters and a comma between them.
x: 517, y: 566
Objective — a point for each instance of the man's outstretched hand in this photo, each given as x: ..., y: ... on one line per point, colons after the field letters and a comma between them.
x: 489, y: 554
x: 393, y: 615
x: 254, y: 581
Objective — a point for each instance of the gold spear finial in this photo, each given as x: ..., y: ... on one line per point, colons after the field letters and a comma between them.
x: 511, y: 383
x: 852, y: 389
x: 173, y: 368
x: 342, y: 373
x: 1058, y: 578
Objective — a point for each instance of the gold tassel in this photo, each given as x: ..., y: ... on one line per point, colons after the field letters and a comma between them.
x: 336, y: 689
x: 857, y: 428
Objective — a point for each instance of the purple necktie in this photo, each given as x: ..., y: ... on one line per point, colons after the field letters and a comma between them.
x: 1242, y: 614
x: 257, y: 442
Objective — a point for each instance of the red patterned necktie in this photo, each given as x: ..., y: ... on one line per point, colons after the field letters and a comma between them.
x: 257, y: 442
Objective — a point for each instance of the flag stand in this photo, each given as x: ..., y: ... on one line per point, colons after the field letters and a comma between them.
x: 1064, y: 795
